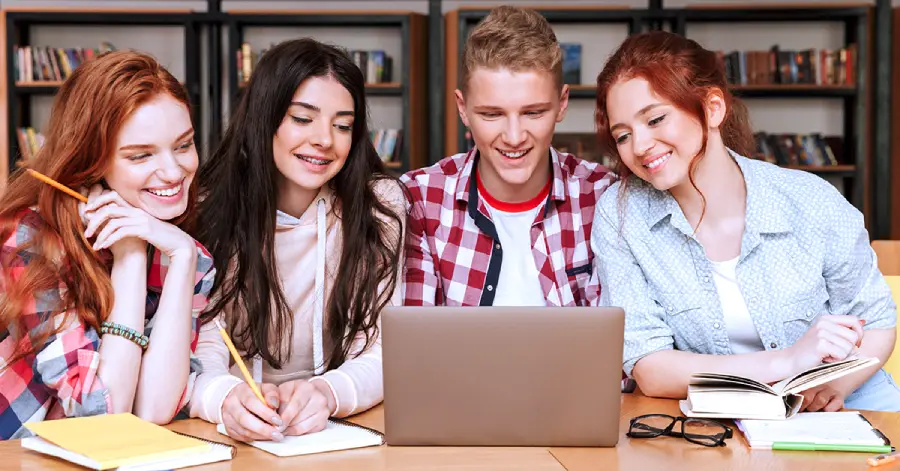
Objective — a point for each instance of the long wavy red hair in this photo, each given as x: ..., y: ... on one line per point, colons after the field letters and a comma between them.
x: 682, y: 72
x: 88, y: 112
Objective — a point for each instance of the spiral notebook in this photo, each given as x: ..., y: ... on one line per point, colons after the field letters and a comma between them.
x: 337, y: 435
x: 830, y: 428
x: 122, y: 441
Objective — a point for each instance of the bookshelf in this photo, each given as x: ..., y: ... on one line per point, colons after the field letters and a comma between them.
x: 854, y: 22
x: 407, y: 92
x: 20, y: 28
x: 458, y: 24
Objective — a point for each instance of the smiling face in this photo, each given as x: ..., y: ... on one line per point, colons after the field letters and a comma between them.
x: 314, y: 139
x: 655, y: 140
x: 512, y: 116
x: 155, y: 159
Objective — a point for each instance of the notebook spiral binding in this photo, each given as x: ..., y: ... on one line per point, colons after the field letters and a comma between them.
x: 232, y: 448
x: 360, y: 427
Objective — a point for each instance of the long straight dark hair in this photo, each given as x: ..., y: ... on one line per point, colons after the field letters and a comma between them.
x: 237, y: 211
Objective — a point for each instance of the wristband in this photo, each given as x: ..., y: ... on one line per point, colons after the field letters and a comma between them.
x: 139, y: 339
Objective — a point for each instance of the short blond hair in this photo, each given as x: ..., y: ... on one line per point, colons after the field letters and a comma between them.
x: 513, y: 38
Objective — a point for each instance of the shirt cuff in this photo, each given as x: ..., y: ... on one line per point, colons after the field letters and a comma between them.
x: 214, y: 396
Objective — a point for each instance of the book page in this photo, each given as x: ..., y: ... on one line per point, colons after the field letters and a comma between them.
x: 336, y: 436
x: 728, y: 382
x: 834, y: 428
x: 822, y: 374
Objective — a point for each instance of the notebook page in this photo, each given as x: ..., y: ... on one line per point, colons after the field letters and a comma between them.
x: 812, y: 427
x: 336, y: 436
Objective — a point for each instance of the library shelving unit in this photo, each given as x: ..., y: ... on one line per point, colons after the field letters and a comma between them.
x: 459, y: 23
x: 853, y: 158
x: 410, y: 86
x: 19, y: 24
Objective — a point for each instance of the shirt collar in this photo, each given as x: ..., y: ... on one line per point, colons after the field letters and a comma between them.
x: 466, y: 189
x: 762, y: 215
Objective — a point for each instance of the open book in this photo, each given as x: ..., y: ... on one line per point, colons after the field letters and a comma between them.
x: 714, y: 395
x: 123, y: 442
x: 338, y: 435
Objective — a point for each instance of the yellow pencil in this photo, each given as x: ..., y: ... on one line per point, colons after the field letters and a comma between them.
x: 240, y: 363
x: 57, y: 185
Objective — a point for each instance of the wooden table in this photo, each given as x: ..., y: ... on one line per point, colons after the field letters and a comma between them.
x: 631, y: 455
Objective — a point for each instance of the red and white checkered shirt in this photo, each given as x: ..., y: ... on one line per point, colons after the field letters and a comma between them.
x: 453, y: 254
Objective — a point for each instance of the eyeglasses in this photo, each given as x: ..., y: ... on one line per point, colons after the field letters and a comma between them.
x: 700, y: 431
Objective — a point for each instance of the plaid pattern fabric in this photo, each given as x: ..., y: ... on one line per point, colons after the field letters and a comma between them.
x: 60, y: 378
x: 453, y: 254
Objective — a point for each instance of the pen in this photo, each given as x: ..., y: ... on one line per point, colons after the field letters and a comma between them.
x: 883, y: 459
x: 803, y: 446
x: 240, y: 363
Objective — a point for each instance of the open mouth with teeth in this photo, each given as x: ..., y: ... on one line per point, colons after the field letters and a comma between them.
x: 312, y: 160
x: 170, y: 192
x: 518, y: 154
x: 655, y: 163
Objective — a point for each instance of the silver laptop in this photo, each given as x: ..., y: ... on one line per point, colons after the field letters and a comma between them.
x: 502, y: 376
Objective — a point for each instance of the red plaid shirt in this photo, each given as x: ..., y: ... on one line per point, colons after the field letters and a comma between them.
x: 453, y: 254
x: 60, y: 378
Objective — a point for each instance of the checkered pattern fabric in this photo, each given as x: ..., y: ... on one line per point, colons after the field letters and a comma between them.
x: 60, y: 378
x: 453, y: 254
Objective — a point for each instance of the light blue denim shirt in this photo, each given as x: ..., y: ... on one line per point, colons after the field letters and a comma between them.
x: 805, y: 252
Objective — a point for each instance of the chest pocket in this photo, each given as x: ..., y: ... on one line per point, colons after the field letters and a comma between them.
x: 686, y: 317
x: 578, y: 278
x: 798, y: 314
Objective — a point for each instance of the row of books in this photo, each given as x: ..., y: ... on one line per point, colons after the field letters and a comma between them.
x: 796, y: 149
x: 784, y: 66
x: 376, y: 66
x: 42, y: 64
x: 388, y: 143
x: 30, y: 141
x: 571, y: 66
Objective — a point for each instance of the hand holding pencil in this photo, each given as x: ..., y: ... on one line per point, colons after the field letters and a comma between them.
x: 250, y: 412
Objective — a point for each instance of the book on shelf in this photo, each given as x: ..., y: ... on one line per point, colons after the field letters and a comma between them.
x: 388, y: 143
x: 788, y: 149
x: 571, y: 66
x: 713, y: 395
x: 584, y: 145
x: 30, y: 141
x: 45, y: 64
x: 377, y: 66
x: 778, y: 66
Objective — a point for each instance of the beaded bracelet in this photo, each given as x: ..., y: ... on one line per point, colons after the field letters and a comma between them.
x: 126, y: 332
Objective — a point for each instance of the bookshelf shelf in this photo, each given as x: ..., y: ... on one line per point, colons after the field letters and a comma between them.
x: 834, y: 170
x: 794, y: 91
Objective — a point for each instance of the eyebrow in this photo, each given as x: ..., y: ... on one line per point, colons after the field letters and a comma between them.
x: 497, y: 108
x: 319, y: 110
x: 148, y: 146
x: 640, y: 112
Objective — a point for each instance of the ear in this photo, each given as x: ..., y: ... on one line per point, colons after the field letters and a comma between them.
x: 461, y: 106
x: 563, y: 103
x: 715, y: 108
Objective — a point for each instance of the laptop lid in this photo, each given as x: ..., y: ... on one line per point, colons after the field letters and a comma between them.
x: 497, y: 376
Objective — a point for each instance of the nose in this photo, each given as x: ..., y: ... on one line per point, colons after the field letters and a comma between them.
x: 320, y: 134
x: 514, y: 134
x: 641, y: 141
x: 170, y: 170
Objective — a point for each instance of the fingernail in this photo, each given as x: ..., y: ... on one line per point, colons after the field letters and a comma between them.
x: 277, y: 420
x: 277, y: 436
x: 275, y: 403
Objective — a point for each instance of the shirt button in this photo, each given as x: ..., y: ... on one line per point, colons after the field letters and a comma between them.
x: 497, y: 246
x: 490, y: 288
x: 773, y: 345
x: 706, y: 279
x: 716, y: 325
x: 670, y: 308
x: 808, y: 313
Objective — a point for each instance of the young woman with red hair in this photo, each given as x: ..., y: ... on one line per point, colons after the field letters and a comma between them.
x: 724, y: 263
x: 118, y: 268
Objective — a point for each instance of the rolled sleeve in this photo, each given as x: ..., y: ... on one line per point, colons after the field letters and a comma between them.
x: 624, y: 285
x: 854, y: 283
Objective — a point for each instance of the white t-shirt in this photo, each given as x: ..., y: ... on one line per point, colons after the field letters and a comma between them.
x: 741, y: 332
x: 518, y: 283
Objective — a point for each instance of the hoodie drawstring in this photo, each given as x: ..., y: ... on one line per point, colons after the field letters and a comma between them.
x: 318, y: 316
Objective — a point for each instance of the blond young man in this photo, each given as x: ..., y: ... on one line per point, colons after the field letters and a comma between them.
x: 509, y: 222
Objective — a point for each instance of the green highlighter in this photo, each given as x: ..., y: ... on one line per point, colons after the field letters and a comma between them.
x: 805, y: 446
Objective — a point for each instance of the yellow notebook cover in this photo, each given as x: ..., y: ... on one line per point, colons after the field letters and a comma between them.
x: 115, y: 440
